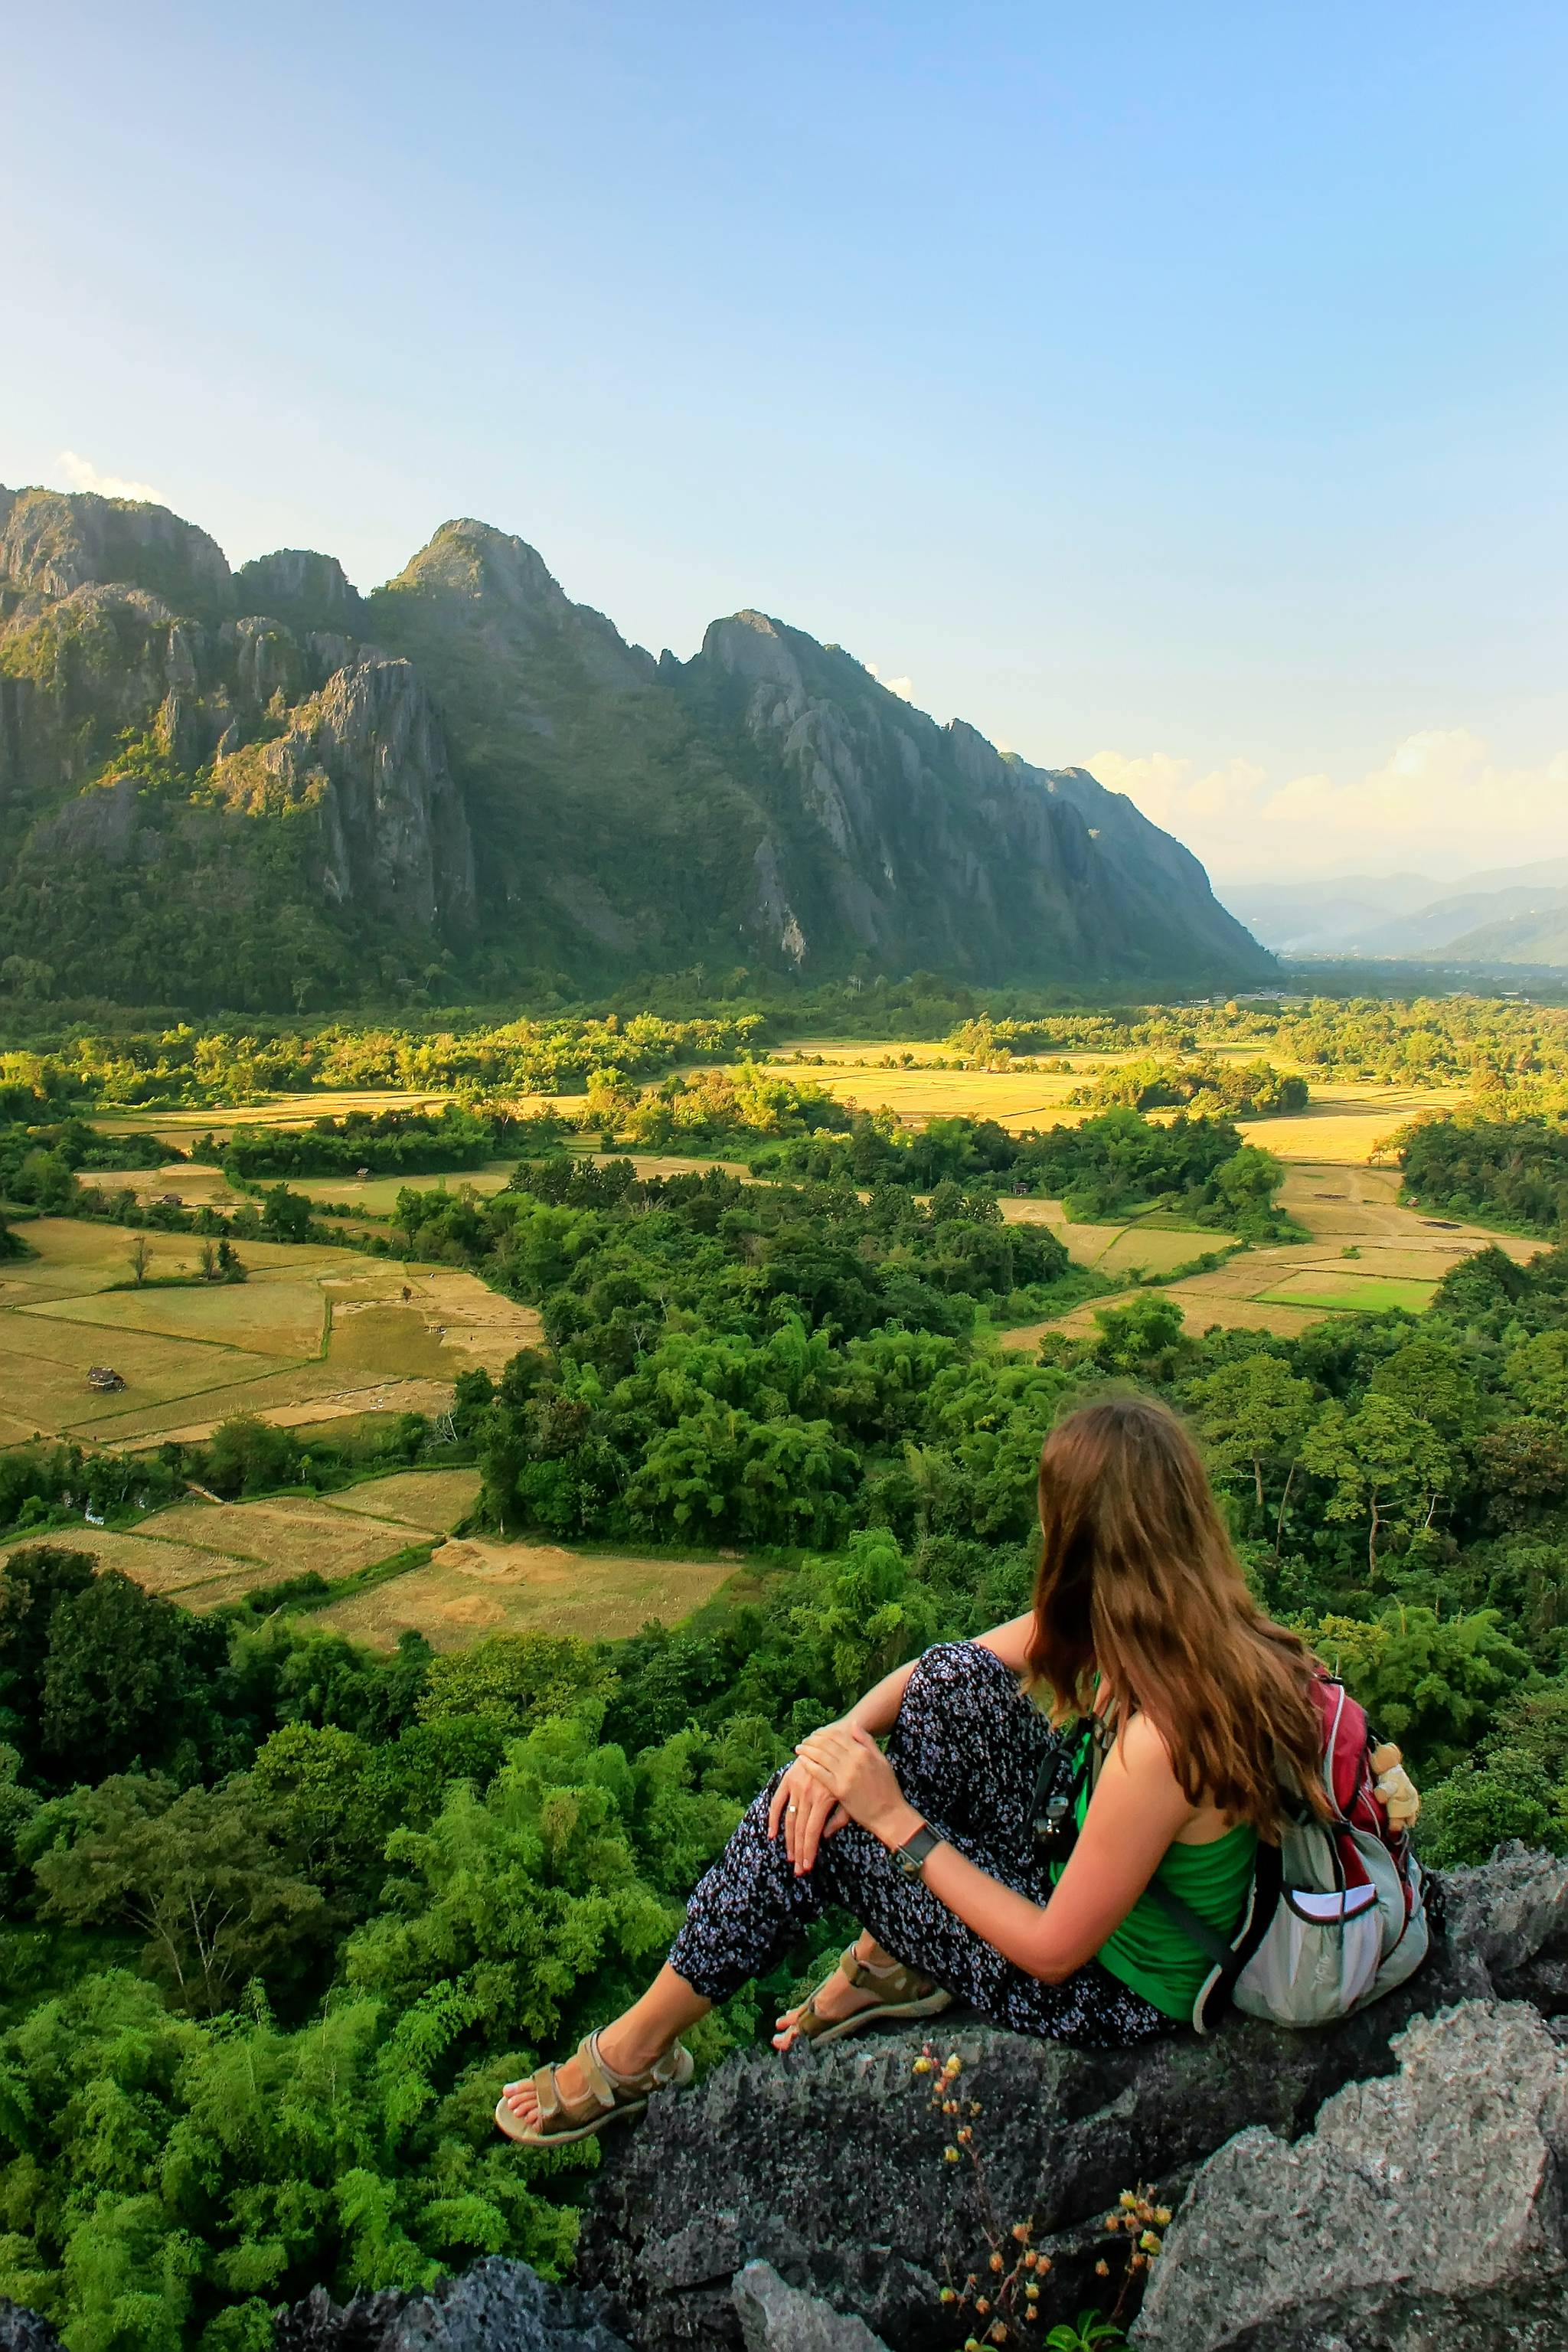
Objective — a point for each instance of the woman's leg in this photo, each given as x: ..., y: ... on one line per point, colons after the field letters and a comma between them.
x: 967, y: 1748
x: 745, y: 1910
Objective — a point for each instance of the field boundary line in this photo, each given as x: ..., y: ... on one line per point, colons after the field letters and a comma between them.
x: 132, y: 1331
x: 296, y: 1364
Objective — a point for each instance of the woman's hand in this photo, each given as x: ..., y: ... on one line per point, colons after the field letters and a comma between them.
x: 849, y: 1763
x: 809, y: 1812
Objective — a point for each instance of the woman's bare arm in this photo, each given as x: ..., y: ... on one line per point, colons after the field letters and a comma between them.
x: 1010, y: 1642
x: 1137, y: 1809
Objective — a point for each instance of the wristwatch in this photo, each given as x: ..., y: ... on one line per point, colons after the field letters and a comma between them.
x: 912, y: 1856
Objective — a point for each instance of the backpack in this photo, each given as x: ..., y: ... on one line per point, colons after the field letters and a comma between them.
x: 1338, y: 1912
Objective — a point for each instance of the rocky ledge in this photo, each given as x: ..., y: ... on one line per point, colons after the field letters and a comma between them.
x: 1393, y: 2185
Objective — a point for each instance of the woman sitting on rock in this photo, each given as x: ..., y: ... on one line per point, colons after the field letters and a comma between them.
x: 1142, y: 1618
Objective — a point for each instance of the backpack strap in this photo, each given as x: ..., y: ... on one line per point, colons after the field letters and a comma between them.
x: 1203, y: 1932
x: 1227, y: 1955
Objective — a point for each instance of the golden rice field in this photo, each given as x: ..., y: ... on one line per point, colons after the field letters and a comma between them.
x: 314, y: 1335
x: 203, y: 1553
x: 278, y: 1110
x: 473, y: 1586
x: 1344, y: 1122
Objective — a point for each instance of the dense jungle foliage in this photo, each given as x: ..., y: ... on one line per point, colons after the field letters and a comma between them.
x: 1512, y: 1172
x: 1493, y: 1045
x: 1109, y: 1167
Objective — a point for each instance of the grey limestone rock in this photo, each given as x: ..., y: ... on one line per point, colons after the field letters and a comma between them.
x: 496, y: 2306
x: 777, y: 2317
x: 828, y: 2164
x: 53, y: 541
x: 1423, y: 2204
x: 25, y: 2331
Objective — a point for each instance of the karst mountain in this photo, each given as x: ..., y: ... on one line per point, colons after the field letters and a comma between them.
x: 255, y: 788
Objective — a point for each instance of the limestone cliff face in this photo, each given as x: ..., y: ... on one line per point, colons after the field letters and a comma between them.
x: 469, y: 769
x: 769, y: 802
x: 164, y: 739
x: 915, y: 842
x: 366, y: 756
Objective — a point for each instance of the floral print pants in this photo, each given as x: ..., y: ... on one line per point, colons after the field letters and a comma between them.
x: 967, y: 1749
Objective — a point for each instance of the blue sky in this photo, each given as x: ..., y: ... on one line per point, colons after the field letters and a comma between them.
x: 1178, y: 389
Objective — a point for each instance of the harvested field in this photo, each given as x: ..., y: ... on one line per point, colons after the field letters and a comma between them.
x: 250, y: 1346
x: 76, y: 1258
x: 386, y: 1339
x: 286, y: 1535
x: 44, y: 1362
x: 1204, y: 1309
x: 1283, y: 1287
x: 1116, y: 1249
x: 1156, y: 1248
x: 168, y: 1568
x: 1347, y: 1123
x: 377, y: 1195
x: 274, y: 1318
x: 277, y: 1110
x: 672, y: 1163
x: 197, y: 1187
x: 331, y: 1413
x: 474, y: 1586
x: 1013, y: 1099
x: 205, y: 1553
x: 431, y: 1499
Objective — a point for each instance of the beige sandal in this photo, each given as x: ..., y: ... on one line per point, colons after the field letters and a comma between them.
x: 904, y: 1994
x: 608, y: 2094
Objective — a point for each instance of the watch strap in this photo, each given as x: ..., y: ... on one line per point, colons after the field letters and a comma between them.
x: 912, y: 1856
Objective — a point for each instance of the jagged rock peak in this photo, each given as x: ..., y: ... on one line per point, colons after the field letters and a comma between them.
x: 53, y: 541
x: 307, y: 590
x: 1424, y: 2208
x: 515, y: 599
x: 749, y: 645
x: 474, y: 559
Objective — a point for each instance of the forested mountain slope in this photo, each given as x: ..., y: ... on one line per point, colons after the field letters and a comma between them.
x: 258, y: 789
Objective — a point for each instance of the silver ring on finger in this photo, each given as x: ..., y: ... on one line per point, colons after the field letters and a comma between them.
x: 792, y: 1809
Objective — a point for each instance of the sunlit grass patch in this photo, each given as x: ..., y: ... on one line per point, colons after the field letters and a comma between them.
x: 1327, y: 1288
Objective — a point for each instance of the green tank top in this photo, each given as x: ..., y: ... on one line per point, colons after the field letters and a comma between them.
x: 1149, y: 1951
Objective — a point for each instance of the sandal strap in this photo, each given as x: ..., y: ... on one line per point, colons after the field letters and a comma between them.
x: 809, y: 2022
x: 669, y: 2068
x: 547, y: 2095
x: 894, y: 1982
x: 605, y: 2086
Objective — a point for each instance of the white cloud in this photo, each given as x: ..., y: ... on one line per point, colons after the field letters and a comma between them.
x: 81, y: 474
x: 904, y: 688
x: 1439, y: 800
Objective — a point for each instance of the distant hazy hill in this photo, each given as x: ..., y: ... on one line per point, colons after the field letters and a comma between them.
x: 257, y: 788
x: 1509, y: 915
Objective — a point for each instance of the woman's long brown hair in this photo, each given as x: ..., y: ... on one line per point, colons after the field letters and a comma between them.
x: 1139, y: 1585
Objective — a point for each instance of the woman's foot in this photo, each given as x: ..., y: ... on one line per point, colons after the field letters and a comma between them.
x: 837, y: 1998
x: 618, y: 2049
